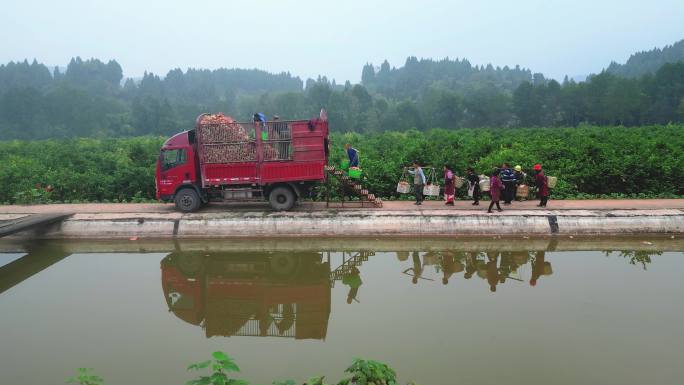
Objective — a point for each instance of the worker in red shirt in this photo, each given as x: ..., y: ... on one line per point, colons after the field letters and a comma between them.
x: 542, y: 184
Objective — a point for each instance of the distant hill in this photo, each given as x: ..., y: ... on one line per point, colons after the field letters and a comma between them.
x: 646, y: 62
x: 418, y: 75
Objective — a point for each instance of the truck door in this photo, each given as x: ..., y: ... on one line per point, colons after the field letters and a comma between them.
x: 173, y: 169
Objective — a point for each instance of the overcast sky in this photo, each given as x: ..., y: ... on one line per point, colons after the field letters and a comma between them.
x: 336, y: 38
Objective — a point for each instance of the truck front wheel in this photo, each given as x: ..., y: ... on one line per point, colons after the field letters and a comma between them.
x: 187, y: 200
x: 281, y: 198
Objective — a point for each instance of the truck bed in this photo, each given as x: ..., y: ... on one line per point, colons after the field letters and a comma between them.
x: 249, y: 153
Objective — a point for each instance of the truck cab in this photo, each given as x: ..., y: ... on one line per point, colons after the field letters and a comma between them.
x: 177, y: 168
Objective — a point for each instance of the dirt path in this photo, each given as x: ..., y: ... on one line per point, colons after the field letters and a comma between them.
x: 623, y: 204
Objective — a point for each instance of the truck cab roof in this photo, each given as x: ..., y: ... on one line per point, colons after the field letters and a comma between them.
x: 182, y: 139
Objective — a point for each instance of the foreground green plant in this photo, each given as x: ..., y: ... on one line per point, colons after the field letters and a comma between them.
x: 360, y: 372
x: 220, y: 366
x: 84, y: 376
x: 364, y: 372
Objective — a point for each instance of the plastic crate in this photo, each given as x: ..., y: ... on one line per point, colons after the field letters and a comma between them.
x: 355, y: 173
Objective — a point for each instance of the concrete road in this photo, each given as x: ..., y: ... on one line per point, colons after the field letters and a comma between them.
x: 622, y: 204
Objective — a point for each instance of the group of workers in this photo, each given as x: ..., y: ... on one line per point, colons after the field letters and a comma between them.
x: 504, y: 182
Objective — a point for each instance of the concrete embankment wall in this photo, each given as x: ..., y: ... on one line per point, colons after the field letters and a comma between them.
x: 366, y: 223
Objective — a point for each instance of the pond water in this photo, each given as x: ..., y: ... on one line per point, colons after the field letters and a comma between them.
x: 466, y: 313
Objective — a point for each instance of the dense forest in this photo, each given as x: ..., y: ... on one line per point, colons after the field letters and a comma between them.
x: 92, y: 99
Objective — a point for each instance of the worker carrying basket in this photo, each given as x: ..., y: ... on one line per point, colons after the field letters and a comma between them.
x: 404, y: 185
x: 431, y: 188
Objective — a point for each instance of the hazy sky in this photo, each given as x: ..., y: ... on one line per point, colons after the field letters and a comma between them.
x: 336, y: 38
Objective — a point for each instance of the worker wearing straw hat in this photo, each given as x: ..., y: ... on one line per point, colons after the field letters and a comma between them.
x: 520, y: 178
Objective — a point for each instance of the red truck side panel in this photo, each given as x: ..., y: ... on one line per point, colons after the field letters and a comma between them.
x: 309, y: 157
x: 292, y: 171
x: 309, y: 144
x: 229, y: 173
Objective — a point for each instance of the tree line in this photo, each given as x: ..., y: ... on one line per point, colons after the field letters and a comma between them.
x: 648, y: 62
x: 91, y: 98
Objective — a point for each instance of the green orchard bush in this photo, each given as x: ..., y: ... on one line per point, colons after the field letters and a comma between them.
x: 590, y: 162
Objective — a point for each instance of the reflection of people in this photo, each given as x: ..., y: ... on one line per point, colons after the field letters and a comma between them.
x: 353, y: 280
x: 540, y: 267
x: 471, y: 265
x: 504, y: 266
x: 492, y: 271
x: 447, y: 267
x: 265, y: 321
x: 288, y: 319
x: 450, y: 265
x: 417, y: 268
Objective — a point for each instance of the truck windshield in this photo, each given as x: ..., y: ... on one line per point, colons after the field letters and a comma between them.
x: 172, y: 158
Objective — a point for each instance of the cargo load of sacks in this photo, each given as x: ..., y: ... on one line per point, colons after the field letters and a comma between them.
x: 224, y: 141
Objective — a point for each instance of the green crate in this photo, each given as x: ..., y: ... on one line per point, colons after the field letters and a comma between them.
x: 355, y: 173
x: 344, y: 165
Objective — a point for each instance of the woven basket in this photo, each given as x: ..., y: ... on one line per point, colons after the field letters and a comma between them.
x: 403, y: 187
x: 431, y: 190
x: 484, y: 183
x: 551, y: 181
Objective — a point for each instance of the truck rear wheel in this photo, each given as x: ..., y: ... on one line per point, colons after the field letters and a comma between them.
x: 281, y: 198
x: 187, y: 200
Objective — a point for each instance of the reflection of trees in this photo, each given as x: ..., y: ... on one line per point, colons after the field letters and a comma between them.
x: 642, y: 257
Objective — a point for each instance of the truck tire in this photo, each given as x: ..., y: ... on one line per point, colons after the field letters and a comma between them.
x: 281, y: 198
x: 187, y: 200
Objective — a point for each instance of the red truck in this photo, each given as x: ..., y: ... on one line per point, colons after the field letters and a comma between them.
x: 225, y: 160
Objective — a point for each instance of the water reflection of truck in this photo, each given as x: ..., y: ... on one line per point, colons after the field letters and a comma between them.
x: 249, y: 294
